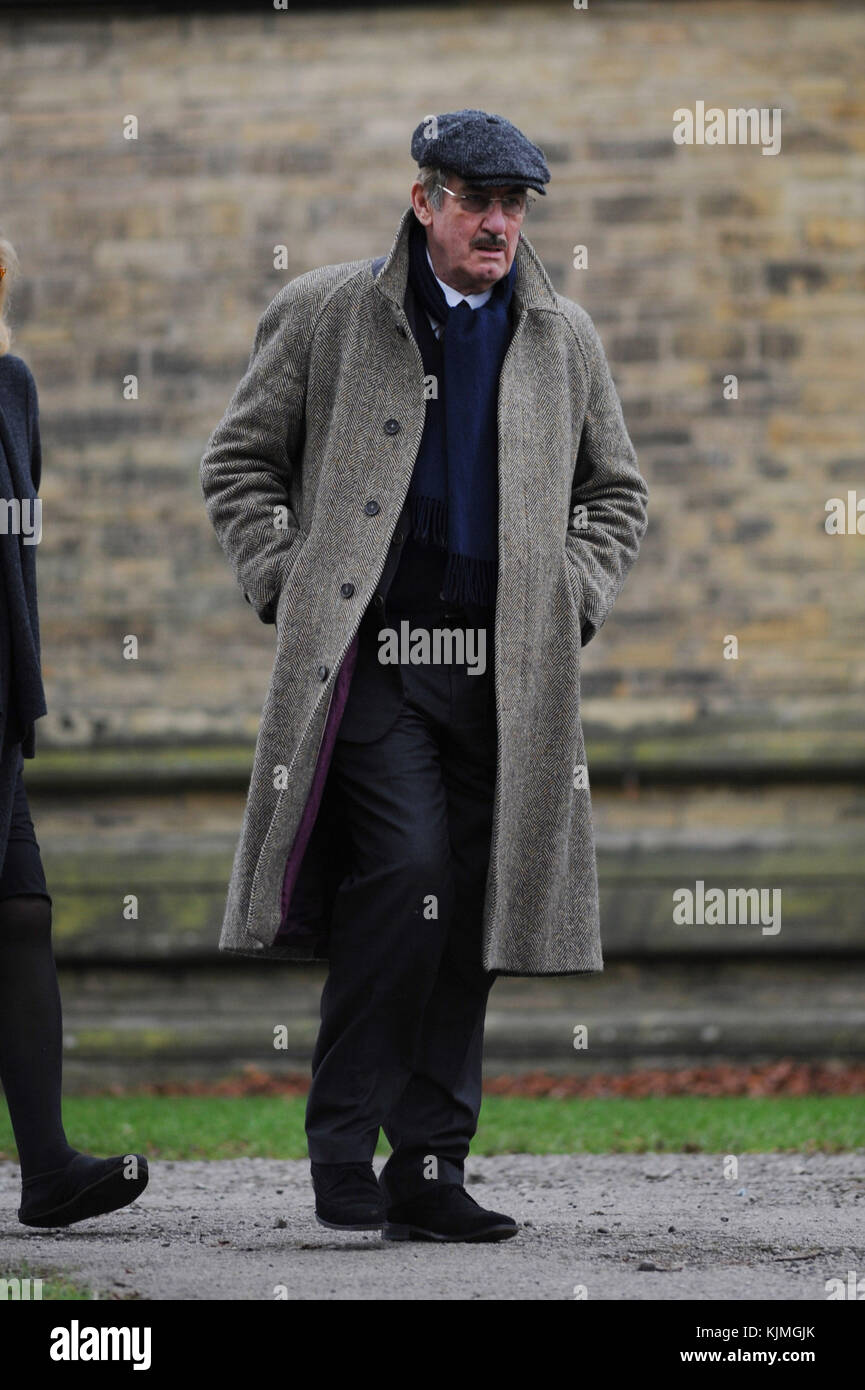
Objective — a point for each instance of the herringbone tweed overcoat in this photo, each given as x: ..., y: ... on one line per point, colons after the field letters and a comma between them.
x: 326, y: 423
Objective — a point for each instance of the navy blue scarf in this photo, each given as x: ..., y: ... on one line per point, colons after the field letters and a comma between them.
x: 454, y: 491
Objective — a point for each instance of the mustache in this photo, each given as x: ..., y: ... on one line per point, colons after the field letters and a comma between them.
x: 490, y: 243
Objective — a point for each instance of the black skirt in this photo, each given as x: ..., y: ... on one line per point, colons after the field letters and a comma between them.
x: 22, y: 870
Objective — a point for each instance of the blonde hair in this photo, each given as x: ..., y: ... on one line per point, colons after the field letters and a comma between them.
x: 9, y: 260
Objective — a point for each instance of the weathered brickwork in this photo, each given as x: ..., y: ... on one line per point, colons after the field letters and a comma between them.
x: 154, y: 257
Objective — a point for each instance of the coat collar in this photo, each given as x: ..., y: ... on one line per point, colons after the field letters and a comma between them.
x: 532, y: 286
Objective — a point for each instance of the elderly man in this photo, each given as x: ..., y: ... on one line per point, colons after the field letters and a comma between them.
x: 425, y: 481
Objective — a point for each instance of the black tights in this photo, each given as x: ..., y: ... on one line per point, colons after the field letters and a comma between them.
x: 31, y: 1034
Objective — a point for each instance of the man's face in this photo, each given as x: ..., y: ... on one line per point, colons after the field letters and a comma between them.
x: 469, y: 251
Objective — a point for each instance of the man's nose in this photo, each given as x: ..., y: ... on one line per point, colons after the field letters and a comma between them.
x: 495, y: 221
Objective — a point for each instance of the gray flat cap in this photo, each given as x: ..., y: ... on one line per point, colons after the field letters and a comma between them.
x: 482, y: 147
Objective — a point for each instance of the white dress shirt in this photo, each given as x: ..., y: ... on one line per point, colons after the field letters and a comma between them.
x: 455, y: 297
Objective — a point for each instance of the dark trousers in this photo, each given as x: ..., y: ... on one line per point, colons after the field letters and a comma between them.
x: 402, y: 1010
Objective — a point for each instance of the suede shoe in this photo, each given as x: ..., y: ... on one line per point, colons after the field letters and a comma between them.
x: 347, y: 1196
x: 86, y: 1187
x: 446, y: 1212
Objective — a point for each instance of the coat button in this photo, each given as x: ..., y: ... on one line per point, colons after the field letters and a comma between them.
x: 346, y: 590
x: 398, y: 538
x: 322, y: 673
x: 372, y: 507
x: 379, y: 600
x: 391, y: 426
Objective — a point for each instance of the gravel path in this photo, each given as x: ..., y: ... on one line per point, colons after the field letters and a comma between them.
x: 644, y: 1226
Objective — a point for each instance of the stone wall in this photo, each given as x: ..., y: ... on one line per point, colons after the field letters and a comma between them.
x: 155, y: 257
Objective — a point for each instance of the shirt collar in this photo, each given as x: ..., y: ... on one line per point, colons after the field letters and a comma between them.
x: 454, y: 297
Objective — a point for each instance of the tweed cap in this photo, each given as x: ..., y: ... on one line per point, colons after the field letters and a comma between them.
x: 481, y: 147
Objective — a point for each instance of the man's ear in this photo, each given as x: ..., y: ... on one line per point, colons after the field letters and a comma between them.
x: 420, y: 204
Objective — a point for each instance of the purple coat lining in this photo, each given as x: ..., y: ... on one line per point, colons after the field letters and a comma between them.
x: 310, y: 810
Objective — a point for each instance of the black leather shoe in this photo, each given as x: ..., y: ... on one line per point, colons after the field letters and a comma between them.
x: 347, y: 1196
x: 86, y: 1187
x: 446, y: 1212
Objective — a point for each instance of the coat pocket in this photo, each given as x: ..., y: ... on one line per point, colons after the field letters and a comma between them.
x: 290, y: 587
x: 576, y: 588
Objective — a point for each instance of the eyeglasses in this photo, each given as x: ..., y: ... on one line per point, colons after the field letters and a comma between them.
x: 514, y: 205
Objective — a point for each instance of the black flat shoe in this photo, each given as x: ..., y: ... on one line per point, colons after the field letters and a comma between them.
x: 86, y: 1187
x: 347, y: 1196
x: 446, y: 1212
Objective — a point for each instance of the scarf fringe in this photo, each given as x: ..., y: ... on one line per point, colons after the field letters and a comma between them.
x: 429, y: 519
x: 470, y: 580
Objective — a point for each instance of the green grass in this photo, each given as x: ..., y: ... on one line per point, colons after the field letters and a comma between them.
x: 265, y: 1127
x: 56, y: 1287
